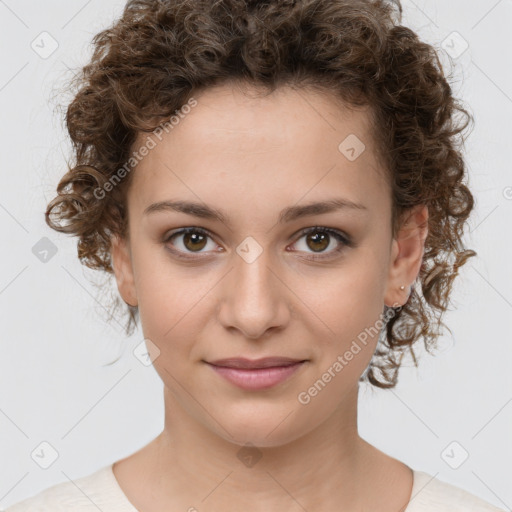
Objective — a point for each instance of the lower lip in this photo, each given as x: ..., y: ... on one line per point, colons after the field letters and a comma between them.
x: 258, y: 378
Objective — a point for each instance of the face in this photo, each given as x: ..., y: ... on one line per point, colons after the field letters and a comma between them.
x: 270, y: 277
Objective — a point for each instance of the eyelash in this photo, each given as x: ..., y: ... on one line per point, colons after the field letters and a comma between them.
x: 340, y: 237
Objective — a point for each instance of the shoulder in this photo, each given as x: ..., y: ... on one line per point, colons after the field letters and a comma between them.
x: 84, y: 494
x: 430, y: 493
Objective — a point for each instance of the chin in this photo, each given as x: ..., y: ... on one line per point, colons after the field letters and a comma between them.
x: 264, y: 430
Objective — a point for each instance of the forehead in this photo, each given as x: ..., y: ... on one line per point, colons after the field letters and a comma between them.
x: 281, y: 146
x: 248, y: 114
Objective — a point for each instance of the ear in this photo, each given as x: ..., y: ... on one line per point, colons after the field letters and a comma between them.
x: 406, y: 255
x: 123, y: 270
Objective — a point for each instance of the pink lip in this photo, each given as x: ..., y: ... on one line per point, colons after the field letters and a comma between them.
x: 256, y: 374
x: 263, y: 362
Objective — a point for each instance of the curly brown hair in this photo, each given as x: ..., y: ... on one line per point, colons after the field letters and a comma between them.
x: 160, y: 53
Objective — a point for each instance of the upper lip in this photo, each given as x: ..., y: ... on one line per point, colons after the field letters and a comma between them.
x: 264, y: 362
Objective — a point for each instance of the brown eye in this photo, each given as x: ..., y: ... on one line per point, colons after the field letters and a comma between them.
x: 194, y: 241
x: 188, y: 240
x: 319, y: 239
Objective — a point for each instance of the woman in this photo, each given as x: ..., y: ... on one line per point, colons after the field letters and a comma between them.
x: 267, y: 182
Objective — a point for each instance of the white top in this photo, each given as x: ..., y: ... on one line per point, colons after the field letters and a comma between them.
x: 101, y: 491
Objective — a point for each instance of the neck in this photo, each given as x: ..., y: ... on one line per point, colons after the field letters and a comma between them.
x: 190, y: 467
x: 327, y: 462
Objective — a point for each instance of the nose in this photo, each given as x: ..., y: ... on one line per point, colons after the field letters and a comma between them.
x: 254, y: 298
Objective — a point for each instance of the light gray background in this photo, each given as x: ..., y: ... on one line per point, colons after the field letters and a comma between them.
x: 55, y: 339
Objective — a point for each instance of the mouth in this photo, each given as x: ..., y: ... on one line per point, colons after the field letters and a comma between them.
x: 264, y: 362
x: 256, y: 374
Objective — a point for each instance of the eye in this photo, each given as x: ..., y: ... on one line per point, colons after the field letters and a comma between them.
x: 320, y: 238
x: 193, y: 241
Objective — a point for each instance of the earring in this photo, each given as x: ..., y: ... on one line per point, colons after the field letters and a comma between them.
x: 402, y: 287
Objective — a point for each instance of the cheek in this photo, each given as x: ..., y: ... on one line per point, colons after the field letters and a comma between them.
x: 169, y: 313
x: 174, y: 307
x: 347, y: 297
x: 348, y: 306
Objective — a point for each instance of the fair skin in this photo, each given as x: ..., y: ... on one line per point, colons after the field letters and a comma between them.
x: 252, y: 158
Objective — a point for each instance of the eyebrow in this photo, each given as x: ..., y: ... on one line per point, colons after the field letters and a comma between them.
x: 287, y: 215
